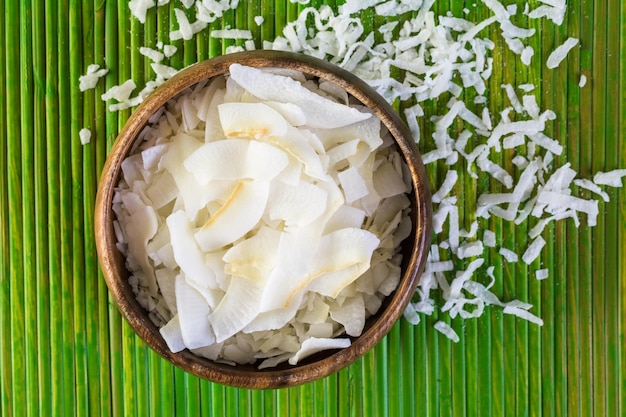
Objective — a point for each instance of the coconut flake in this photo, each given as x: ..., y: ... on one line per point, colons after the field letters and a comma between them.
x: 321, y: 112
x: 523, y: 314
x: 591, y: 186
x: 489, y: 238
x: 236, y: 217
x: 193, y: 313
x: 533, y: 250
x: 508, y: 254
x: 164, y: 71
x: 121, y: 92
x: 85, y: 136
x: 445, y: 329
x: 173, y: 336
x: 169, y: 50
x: 446, y: 187
x: 314, y: 345
x: 610, y: 178
x: 470, y: 249
x: 231, y: 34
x: 510, y: 93
x: 559, y: 54
x: 90, y: 79
x: 152, y: 54
x: 139, y: 8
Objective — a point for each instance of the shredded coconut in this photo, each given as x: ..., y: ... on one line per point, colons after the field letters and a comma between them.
x: 85, y: 136
x: 509, y: 255
x: 231, y: 34
x: 445, y: 329
x: 90, y: 79
x: 152, y: 54
x: 559, y: 54
x: 611, y: 178
x: 489, y: 238
x: 533, y: 250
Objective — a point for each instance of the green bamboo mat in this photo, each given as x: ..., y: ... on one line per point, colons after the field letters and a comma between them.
x: 66, y: 350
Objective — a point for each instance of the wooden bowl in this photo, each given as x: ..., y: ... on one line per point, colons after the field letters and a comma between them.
x: 415, y: 248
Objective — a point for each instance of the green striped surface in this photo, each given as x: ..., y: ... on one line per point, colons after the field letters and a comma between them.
x: 66, y: 350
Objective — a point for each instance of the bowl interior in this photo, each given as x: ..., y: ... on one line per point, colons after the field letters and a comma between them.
x: 415, y: 247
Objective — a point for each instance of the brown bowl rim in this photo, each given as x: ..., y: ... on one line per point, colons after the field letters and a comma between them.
x: 240, y: 376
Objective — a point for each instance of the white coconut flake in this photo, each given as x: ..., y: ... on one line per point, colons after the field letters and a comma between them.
x: 541, y: 274
x: 314, y: 345
x: 231, y: 34
x: 520, y: 162
x: 583, y: 81
x: 463, y: 276
x: 446, y: 187
x: 152, y: 54
x: 121, y: 92
x: 526, y: 87
x: 186, y: 30
x: 556, y: 203
x: 85, y: 136
x: 515, y: 102
x: 610, y: 178
x: 471, y: 232
x: 508, y: 254
x: 445, y: 329
x: 554, y: 12
x: 258, y: 20
x: 489, y: 238
x: 163, y: 71
x: 470, y: 249
x: 169, y: 50
x: 139, y: 8
x: 523, y: 314
x: 591, y: 186
x: 534, y: 250
x: 90, y: 79
x: 560, y: 53
x: 527, y: 55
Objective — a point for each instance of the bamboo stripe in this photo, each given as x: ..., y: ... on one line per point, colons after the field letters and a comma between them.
x: 5, y: 263
x: 16, y: 286
x: 90, y: 172
x: 28, y: 210
x: 600, y: 86
x: 620, y: 241
x: 575, y: 399
x: 612, y: 252
x: 43, y: 337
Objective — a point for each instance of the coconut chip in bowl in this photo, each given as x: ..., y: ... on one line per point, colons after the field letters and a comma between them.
x: 261, y: 216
